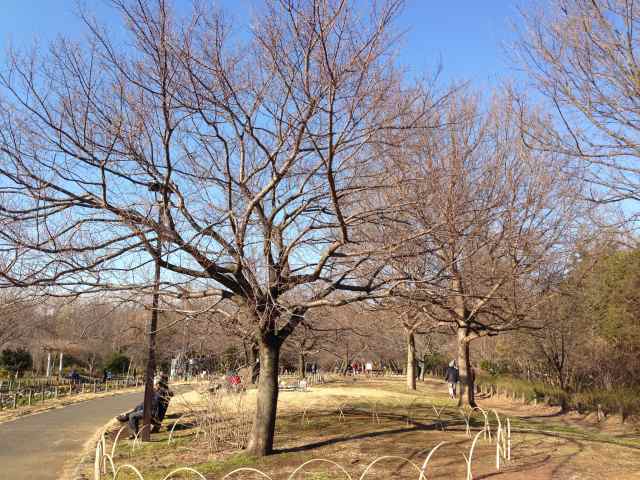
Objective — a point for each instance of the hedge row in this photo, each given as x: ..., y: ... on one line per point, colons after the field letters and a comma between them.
x: 623, y: 401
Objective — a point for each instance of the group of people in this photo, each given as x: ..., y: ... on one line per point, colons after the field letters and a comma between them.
x: 358, y: 368
x: 159, y: 405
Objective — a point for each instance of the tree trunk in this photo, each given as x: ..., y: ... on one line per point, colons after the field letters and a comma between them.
x: 48, y: 364
x: 467, y: 390
x: 564, y: 405
x: 60, y: 364
x: 347, y: 363
x: 411, y: 360
x: 247, y: 355
x: 254, y: 365
x: 344, y: 368
x: 264, y: 422
x: 301, y: 366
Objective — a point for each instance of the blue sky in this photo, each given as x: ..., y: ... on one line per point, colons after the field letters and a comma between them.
x: 468, y: 36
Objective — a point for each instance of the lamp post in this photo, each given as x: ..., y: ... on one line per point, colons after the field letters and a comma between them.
x: 153, y: 321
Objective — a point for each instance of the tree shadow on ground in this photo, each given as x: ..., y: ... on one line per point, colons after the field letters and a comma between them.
x: 559, y: 413
x: 414, y: 426
x: 183, y: 426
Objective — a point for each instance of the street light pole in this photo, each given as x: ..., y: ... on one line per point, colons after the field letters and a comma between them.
x: 153, y: 326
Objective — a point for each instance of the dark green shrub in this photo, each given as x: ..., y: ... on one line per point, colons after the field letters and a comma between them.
x: 118, y: 363
x: 17, y: 360
x: 623, y: 401
x: 531, y: 390
x: 433, y: 361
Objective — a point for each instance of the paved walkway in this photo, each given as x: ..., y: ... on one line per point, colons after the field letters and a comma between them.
x: 37, y: 447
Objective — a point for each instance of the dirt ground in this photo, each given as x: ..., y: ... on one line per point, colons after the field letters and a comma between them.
x: 355, y: 423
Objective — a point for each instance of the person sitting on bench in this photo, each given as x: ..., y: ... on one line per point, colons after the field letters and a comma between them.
x: 159, y: 405
x: 164, y: 394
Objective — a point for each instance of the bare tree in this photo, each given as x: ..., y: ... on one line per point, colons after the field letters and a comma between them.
x: 498, y: 216
x: 303, y: 343
x: 411, y: 322
x: 582, y: 55
x: 410, y: 319
x: 259, y: 151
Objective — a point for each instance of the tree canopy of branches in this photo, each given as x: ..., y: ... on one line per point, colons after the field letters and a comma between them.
x: 497, y: 217
x: 582, y: 55
x: 236, y: 163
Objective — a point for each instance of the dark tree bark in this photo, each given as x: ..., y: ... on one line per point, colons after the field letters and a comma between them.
x: 411, y: 360
x: 301, y: 365
x: 254, y: 364
x: 467, y: 375
x: 264, y: 423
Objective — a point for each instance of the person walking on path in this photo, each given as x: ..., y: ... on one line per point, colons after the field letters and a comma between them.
x: 451, y: 377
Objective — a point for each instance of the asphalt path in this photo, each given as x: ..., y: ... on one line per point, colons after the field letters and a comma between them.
x: 37, y: 447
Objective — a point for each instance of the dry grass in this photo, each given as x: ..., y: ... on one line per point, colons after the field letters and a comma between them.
x: 380, y: 419
x: 222, y: 419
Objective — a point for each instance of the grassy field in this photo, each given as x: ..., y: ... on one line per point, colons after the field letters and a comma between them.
x: 353, y: 423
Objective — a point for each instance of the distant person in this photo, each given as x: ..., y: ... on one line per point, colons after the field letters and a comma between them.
x: 451, y: 377
x: 74, y: 378
x: 421, y: 369
x: 104, y: 376
x: 233, y: 380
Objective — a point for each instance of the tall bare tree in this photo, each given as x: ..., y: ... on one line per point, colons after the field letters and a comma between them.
x: 498, y: 217
x: 257, y: 151
x: 412, y: 321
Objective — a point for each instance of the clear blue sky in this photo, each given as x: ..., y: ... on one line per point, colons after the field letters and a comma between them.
x: 468, y: 36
